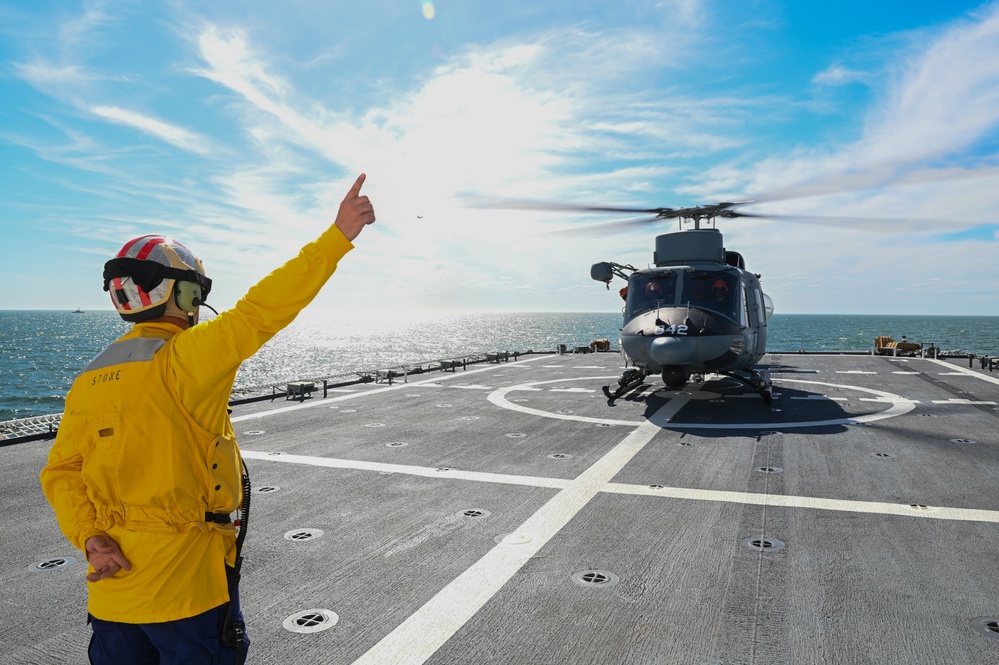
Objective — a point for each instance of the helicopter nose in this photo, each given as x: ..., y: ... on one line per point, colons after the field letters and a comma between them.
x: 672, y: 350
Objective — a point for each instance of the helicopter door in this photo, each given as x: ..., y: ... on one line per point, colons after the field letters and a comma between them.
x: 759, y: 313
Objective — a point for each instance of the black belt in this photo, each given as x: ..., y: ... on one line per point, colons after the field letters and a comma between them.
x: 218, y: 518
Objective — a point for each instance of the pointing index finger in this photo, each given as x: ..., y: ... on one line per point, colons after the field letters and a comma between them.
x: 355, y: 189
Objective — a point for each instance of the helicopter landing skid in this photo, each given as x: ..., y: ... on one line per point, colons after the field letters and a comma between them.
x: 631, y: 379
x: 758, y: 380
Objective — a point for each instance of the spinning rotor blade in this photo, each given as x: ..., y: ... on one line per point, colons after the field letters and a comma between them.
x: 878, y: 175
x: 532, y: 204
x: 602, y: 229
x: 877, y: 224
x: 885, y: 174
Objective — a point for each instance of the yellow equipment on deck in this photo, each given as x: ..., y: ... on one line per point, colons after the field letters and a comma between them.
x: 886, y: 346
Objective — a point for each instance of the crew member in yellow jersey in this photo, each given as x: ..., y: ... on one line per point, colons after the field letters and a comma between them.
x: 145, y: 471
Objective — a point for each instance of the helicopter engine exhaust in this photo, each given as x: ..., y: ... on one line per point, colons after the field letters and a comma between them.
x: 675, y: 376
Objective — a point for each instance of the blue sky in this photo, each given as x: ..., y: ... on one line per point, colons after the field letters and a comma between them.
x: 237, y: 127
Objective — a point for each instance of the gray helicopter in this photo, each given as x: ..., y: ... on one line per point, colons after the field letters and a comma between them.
x: 696, y: 311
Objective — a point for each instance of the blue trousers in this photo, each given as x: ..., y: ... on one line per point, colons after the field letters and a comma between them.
x: 191, y: 641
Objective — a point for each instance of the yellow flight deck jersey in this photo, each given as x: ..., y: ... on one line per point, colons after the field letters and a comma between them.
x: 145, y: 447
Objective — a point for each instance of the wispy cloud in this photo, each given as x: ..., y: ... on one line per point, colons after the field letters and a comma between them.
x: 177, y: 136
x: 925, y: 151
x: 487, y: 120
x: 637, y: 102
x: 837, y: 74
x: 939, y: 109
x: 233, y: 64
x: 944, y: 100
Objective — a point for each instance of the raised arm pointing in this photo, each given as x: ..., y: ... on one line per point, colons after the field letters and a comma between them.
x: 355, y: 211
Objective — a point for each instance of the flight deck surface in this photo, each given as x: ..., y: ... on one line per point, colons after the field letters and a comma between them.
x: 509, y: 514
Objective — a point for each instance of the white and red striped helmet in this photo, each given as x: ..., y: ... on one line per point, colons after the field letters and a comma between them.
x: 141, y: 276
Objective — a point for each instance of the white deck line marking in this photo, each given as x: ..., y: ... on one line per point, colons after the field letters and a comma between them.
x: 942, y: 513
x: 899, y: 406
x: 853, y: 371
x: 874, y: 507
x: 823, y: 397
x: 955, y: 400
x: 886, y: 401
x: 417, y: 638
x: 905, y: 372
x: 498, y: 397
x: 961, y: 370
x: 425, y: 471
x: 374, y: 391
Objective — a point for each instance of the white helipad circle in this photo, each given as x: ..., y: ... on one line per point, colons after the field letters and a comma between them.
x: 498, y: 397
x: 899, y: 406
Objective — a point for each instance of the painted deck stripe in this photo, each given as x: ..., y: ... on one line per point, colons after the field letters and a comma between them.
x: 956, y: 369
x: 888, y: 401
x: 787, y: 501
x: 417, y: 638
x: 822, y: 397
x: 425, y: 471
x: 872, y: 507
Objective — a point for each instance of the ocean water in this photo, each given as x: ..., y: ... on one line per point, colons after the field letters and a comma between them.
x: 42, y: 351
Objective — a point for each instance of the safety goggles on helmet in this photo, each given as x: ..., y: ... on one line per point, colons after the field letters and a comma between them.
x: 147, y: 275
x: 142, y: 275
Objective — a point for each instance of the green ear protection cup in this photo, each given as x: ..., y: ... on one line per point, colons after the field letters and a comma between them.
x: 185, y: 293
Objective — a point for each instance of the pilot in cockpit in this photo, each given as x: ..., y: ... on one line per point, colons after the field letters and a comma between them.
x: 720, y: 294
x: 721, y: 299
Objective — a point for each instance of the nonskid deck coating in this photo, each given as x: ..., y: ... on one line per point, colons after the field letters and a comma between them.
x: 456, y: 508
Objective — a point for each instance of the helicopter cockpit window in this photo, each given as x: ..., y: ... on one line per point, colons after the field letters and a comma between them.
x: 714, y: 290
x: 647, y: 292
